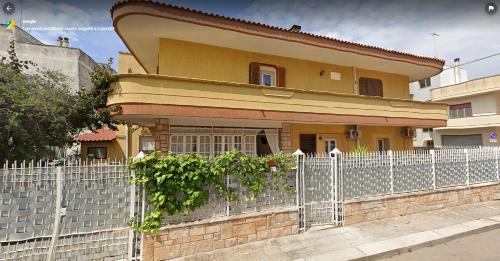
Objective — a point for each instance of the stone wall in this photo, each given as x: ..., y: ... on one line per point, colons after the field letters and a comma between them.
x: 196, y: 237
x: 285, y: 137
x: 357, y: 211
x: 162, y: 135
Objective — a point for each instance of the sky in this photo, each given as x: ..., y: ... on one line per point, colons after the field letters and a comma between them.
x: 465, y: 29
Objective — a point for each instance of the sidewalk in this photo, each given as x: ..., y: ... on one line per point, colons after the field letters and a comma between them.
x: 371, y: 239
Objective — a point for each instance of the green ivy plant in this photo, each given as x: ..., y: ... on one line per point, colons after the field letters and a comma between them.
x: 179, y: 184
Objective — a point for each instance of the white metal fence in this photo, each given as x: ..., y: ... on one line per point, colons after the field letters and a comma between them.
x: 393, y: 172
x: 218, y: 206
x: 74, y: 212
x: 80, y: 211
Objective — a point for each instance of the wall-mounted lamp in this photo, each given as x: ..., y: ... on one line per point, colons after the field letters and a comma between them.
x: 322, y: 73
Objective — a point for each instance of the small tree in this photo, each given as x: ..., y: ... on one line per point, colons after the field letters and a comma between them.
x: 38, y: 111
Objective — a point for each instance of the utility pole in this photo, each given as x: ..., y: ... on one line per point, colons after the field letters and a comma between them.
x: 434, y: 37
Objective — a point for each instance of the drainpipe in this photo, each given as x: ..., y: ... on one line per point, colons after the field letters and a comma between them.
x: 354, y: 81
x: 456, y: 70
x: 126, y: 142
x: 357, y: 138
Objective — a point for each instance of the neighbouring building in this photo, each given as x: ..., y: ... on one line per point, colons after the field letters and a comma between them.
x: 72, y: 62
x: 474, y: 113
x: 421, y: 91
x: 205, y: 83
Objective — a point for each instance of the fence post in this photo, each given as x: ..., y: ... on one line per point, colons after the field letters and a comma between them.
x: 131, y: 215
x: 496, y: 160
x: 467, y: 165
x: 334, y: 156
x: 57, y: 215
x: 391, y: 162
x: 433, y: 160
x: 300, y: 188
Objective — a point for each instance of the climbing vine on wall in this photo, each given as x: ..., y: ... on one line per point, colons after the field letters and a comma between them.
x: 178, y: 184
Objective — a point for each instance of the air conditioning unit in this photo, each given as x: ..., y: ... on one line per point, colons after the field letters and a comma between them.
x: 409, y: 133
x: 353, y: 134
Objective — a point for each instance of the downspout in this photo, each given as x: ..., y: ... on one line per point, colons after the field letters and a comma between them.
x: 355, y: 91
x: 354, y: 81
x: 126, y: 142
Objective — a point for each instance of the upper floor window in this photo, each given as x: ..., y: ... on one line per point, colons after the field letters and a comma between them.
x: 370, y: 87
x: 267, y: 75
x: 425, y: 82
x: 427, y: 130
x: 460, y: 110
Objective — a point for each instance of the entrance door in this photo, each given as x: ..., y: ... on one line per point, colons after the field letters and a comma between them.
x: 308, y: 143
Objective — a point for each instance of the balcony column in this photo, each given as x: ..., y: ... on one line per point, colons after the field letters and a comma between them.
x: 285, y: 137
x: 162, y: 135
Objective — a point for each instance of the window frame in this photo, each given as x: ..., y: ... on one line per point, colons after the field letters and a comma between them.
x: 328, y: 140
x: 385, y: 144
x: 218, y: 143
x: 462, y: 110
x: 371, y: 89
x: 268, y: 70
x: 143, y: 139
x: 105, y: 152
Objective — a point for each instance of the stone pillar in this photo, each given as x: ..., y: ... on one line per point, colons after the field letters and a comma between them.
x: 285, y: 137
x: 162, y: 135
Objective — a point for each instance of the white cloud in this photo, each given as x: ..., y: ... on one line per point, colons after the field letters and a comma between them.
x: 465, y: 30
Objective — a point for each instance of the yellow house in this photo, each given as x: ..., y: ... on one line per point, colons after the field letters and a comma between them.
x: 206, y: 83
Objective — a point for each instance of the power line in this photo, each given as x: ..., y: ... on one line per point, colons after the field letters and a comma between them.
x: 473, y: 61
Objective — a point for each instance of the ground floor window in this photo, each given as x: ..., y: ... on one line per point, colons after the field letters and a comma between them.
x: 208, y: 145
x: 147, y: 144
x: 97, y: 152
x: 383, y: 144
x: 330, y: 144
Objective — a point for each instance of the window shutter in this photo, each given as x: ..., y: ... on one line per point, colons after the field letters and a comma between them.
x: 363, y: 86
x: 281, y: 77
x: 377, y: 86
x: 254, y: 73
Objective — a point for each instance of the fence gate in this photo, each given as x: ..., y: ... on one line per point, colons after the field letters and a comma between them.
x: 319, y: 190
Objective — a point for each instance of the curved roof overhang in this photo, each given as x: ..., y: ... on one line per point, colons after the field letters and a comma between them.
x: 141, y: 24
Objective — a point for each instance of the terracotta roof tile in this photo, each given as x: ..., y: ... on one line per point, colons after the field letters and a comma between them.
x: 339, y: 41
x: 99, y: 135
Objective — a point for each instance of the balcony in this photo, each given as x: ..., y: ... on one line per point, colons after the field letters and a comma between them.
x: 482, y: 121
x: 149, y: 96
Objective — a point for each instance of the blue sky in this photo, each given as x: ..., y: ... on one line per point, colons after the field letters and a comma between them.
x: 465, y: 30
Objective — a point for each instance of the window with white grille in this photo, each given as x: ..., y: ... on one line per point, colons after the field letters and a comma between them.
x: 212, y: 145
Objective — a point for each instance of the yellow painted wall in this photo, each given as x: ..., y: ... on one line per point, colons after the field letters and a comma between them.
x: 192, y: 60
x: 369, y: 136
x: 116, y: 149
x: 128, y: 64
x: 394, y: 85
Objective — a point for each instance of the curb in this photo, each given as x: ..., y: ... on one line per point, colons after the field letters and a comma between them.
x: 408, y: 243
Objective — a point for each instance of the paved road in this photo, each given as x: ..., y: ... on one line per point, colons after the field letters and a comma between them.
x: 478, y: 247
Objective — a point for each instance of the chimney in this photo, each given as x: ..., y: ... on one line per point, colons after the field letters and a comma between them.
x: 59, y: 41
x: 65, y: 42
x: 456, y: 69
x: 295, y: 28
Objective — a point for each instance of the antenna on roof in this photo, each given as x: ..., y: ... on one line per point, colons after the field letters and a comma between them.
x: 434, y: 37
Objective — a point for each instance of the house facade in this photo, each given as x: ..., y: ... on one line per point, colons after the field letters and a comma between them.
x: 207, y: 84
x: 421, y: 91
x: 474, y: 113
